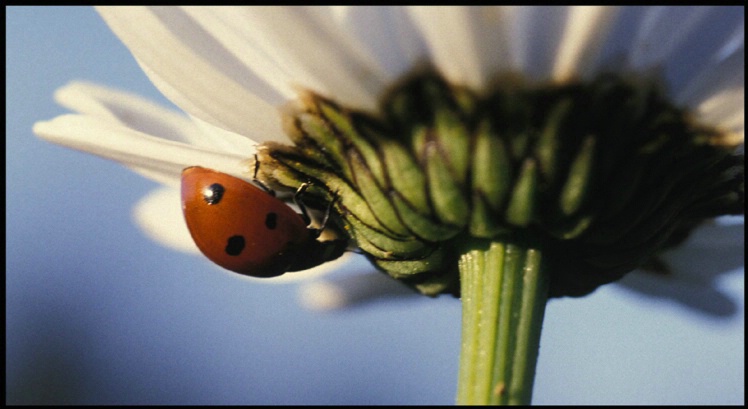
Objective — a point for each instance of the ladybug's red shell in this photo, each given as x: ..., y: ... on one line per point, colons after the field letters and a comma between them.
x: 239, y: 226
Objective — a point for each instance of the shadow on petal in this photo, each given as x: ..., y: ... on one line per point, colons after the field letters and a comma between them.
x: 695, y: 271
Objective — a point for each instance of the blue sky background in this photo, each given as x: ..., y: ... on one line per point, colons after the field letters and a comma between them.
x: 97, y: 313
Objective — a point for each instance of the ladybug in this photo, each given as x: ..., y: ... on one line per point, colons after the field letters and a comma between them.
x: 245, y: 229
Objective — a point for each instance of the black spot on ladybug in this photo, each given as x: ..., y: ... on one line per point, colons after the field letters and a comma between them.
x: 235, y: 245
x: 213, y: 193
x: 271, y: 220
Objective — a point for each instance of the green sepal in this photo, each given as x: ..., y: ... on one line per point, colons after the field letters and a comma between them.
x: 578, y: 182
x: 305, y: 146
x: 406, y: 176
x: 317, y: 130
x: 549, y: 142
x: 447, y: 197
x: 572, y: 228
x: 381, y: 245
x: 485, y: 222
x: 521, y: 208
x: 286, y: 172
x: 421, y: 225
x: 452, y: 136
x: 372, y: 193
x: 492, y: 167
x: 344, y: 126
x: 399, y: 268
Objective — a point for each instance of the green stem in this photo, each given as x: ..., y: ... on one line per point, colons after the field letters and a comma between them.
x: 504, y: 291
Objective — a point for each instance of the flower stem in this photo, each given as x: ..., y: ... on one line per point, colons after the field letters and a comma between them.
x: 504, y: 290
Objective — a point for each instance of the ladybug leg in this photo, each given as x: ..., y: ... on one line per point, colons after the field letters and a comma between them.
x: 297, y: 200
x: 328, y: 211
x: 305, y: 214
x: 264, y: 187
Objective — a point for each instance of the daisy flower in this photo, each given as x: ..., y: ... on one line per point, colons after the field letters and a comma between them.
x: 497, y: 111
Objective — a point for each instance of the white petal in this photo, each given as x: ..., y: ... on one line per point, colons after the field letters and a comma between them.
x: 467, y: 44
x: 683, y: 41
x: 472, y: 44
x: 159, y: 159
x: 159, y: 215
x: 133, y: 112
x: 316, y: 54
x: 343, y: 291
x: 625, y: 25
x: 699, y: 51
x: 223, y: 140
x: 322, y: 296
x: 234, y: 41
x: 190, y: 68
x: 127, y: 109
x: 697, y: 267
x: 536, y: 34
x: 720, y: 109
x: 717, y: 94
x: 206, y: 135
x: 662, y: 30
x: 726, y: 109
x: 386, y: 35
x: 583, y: 38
